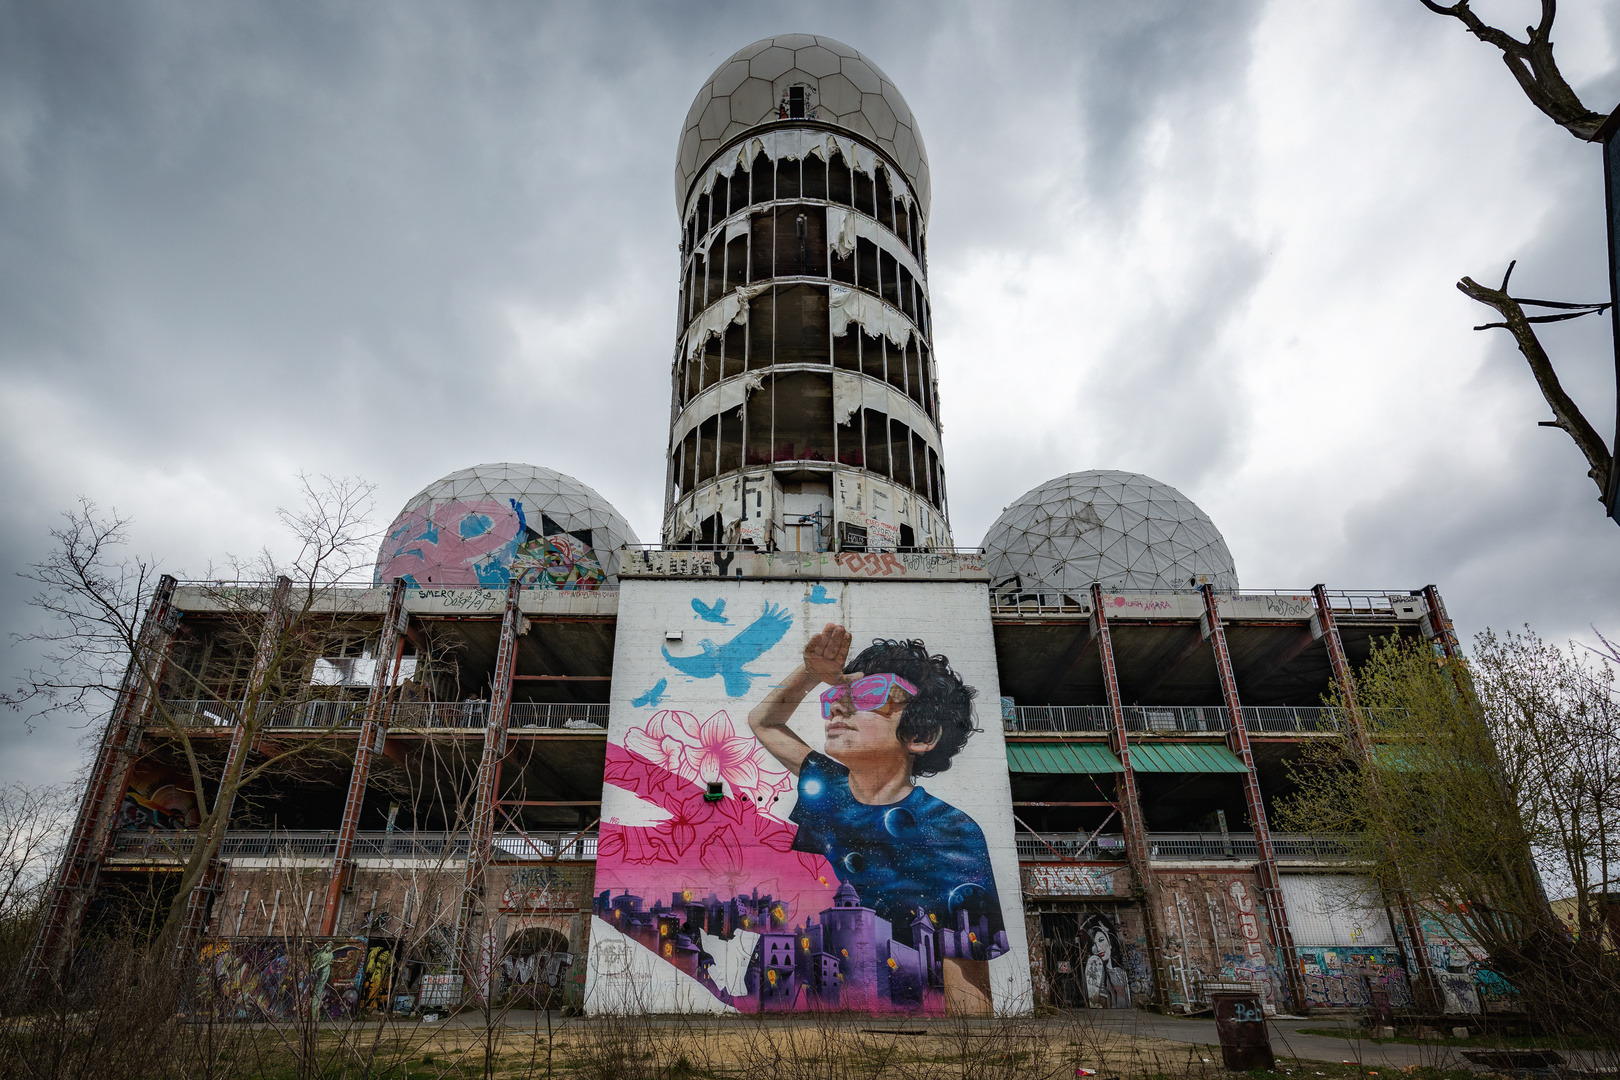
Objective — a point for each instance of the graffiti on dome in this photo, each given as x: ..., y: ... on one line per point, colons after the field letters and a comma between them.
x: 487, y: 542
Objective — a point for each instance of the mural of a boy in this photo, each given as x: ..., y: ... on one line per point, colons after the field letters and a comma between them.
x: 893, y: 714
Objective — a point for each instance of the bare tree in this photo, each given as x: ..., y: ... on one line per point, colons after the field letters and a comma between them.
x: 1533, y: 67
x: 98, y: 651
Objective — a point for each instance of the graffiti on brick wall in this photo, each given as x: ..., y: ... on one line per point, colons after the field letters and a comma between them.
x: 1461, y: 968
x: 1343, y: 978
x: 547, y: 888
x: 276, y: 979
x: 803, y: 858
x: 1068, y: 880
x: 1216, y: 929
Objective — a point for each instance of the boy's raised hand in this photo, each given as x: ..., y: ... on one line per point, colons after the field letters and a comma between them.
x: 826, y: 653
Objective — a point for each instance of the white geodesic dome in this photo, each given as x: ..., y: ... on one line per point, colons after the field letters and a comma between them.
x: 483, y: 525
x: 1127, y: 531
x: 849, y: 91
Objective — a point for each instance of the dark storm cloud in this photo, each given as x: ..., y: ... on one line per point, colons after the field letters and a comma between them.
x: 240, y: 240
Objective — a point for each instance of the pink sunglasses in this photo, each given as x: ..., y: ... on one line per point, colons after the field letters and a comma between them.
x: 871, y: 692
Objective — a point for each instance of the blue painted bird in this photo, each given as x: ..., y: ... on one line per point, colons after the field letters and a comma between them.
x: 653, y: 697
x: 818, y: 595
x: 711, y: 613
x: 729, y: 660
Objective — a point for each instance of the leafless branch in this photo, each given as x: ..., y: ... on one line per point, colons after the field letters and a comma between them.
x: 1531, y: 62
x: 1566, y: 414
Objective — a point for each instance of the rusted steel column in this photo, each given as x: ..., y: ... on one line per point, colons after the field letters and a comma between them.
x: 373, y: 730
x: 483, y: 822
x: 1438, y: 624
x: 1237, y: 740
x: 98, y: 811
x: 208, y: 882
x: 1417, y: 960
x: 1137, y: 850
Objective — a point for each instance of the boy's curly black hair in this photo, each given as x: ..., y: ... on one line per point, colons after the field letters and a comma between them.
x: 943, y: 706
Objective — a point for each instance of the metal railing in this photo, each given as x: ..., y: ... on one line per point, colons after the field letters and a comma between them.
x: 247, y: 844
x: 570, y: 715
x: 1186, y: 846
x: 1038, y: 602
x: 1167, y: 719
x: 1056, y: 847
x: 1172, y: 847
x: 405, y: 714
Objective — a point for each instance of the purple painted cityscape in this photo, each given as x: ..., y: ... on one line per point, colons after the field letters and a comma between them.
x: 848, y: 957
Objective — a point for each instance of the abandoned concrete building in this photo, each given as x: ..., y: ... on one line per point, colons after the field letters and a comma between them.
x: 524, y: 765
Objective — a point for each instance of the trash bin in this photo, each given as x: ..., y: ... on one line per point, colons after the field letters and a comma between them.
x: 1240, y: 1019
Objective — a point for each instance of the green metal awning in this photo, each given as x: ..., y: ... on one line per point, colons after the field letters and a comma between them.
x: 1184, y: 758
x: 1061, y: 758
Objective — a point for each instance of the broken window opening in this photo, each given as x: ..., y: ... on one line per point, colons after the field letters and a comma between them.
x: 900, y: 453
x: 686, y: 292
x: 907, y: 303
x: 689, y: 235
x: 787, y: 179
x: 895, y: 366
x: 872, y: 355
x: 734, y: 348
x: 795, y: 102
x: 914, y: 382
x: 866, y: 265
x: 843, y: 269
x: 846, y: 351
x: 802, y: 417
x: 875, y: 428
x: 761, y: 231
x: 908, y: 538
x: 815, y: 177
x: 903, y: 223
x: 689, y: 461
x: 762, y: 330
x: 757, y: 436
x: 708, y: 433
x: 717, y: 199
x: 702, y: 218
x: 711, y: 363
x: 764, y: 176
x: 933, y: 478
x: 885, y: 200
x: 731, y: 440
x: 852, y: 440
x: 919, y: 465
x: 737, y: 263
x: 888, y: 271
x: 801, y: 241
x: 708, y: 533
x: 865, y: 194
x: 802, y: 328
x: 926, y: 374
x: 715, y: 261
x: 839, y: 188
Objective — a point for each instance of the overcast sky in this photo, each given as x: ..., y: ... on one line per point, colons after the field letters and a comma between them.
x: 1214, y: 243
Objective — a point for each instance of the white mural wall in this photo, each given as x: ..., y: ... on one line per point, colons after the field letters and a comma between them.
x: 771, y: 836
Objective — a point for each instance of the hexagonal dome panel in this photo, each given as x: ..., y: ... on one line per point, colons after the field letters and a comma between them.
x: 1127, y: 531
x: 859, y: 97
x: 483, y: 525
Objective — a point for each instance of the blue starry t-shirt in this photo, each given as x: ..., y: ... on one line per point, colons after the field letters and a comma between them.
x: 919, y: 855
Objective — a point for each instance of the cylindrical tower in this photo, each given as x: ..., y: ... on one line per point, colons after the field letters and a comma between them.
x: 805, y: 412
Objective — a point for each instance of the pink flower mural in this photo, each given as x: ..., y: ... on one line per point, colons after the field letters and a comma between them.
x: 706, y: 751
